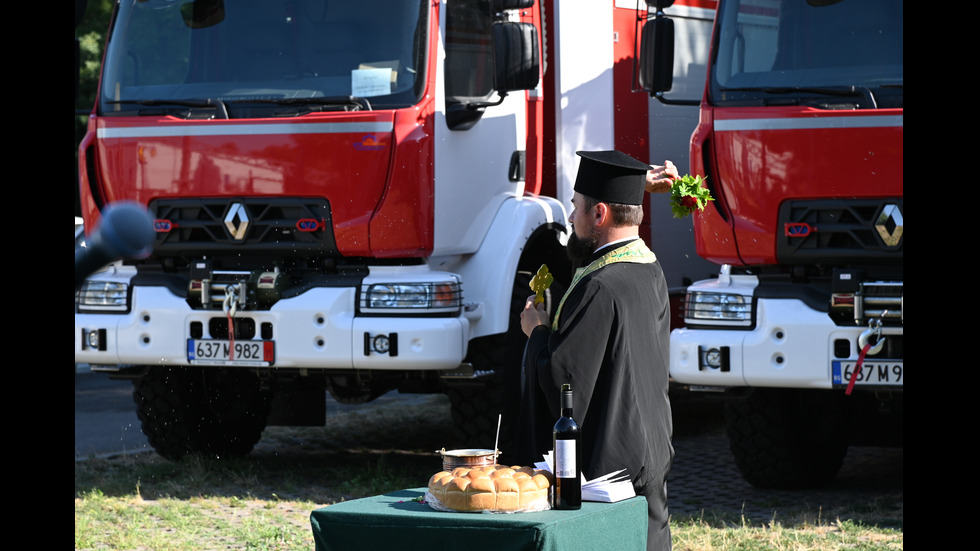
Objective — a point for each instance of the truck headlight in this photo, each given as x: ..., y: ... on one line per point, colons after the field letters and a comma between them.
x: 412, y: 298
x: 102, y: 296
x: 719, y: 307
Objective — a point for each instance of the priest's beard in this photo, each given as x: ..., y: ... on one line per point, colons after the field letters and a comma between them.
x: 580, y: 249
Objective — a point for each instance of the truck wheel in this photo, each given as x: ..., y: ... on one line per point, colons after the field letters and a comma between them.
x: 788, y: 438
x: 214, y: 412
x: 474, y: 411
x: 475, y: 407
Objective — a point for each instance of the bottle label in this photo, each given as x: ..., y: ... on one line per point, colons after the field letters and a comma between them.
x: 565, y: 459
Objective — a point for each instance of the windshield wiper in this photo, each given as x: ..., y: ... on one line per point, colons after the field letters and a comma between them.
x: 838, y: 91
x: 207, y: 102
x: 356, y: 101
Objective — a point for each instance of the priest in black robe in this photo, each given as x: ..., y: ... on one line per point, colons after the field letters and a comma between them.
x: 608, y: 339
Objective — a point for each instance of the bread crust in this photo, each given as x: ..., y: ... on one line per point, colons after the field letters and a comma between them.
x: 490, y: 488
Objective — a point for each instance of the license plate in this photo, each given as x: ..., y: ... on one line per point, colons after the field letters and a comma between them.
x: 220, y: 352
x: 873, y: 373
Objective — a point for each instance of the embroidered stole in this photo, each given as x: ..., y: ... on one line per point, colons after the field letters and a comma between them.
x: 635, y: 251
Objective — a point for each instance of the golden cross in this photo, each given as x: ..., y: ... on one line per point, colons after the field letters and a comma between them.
x: 541, y: 281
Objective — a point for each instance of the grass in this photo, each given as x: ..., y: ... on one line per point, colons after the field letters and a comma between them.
x: 263, y: 502
x: 705, y: 535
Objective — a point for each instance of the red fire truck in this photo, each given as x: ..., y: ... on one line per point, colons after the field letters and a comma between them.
x: 348, y: 197
x: 800, y: 140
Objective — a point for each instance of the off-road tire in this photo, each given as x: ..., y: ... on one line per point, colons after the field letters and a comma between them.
x: 210, y: 411
x: 788, y: 438
x: 474, y: 411
x: 475, y: 408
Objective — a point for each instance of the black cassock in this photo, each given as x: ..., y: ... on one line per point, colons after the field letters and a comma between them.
x: 611, y: 345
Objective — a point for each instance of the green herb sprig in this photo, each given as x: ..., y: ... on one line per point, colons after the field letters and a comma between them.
x: 687, y: 194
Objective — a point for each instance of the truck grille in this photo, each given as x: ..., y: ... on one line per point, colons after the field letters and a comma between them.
x: 258, y: 225
x: 837, y: 230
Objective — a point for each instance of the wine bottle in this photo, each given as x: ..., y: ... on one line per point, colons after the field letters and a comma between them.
x: 567, y: 468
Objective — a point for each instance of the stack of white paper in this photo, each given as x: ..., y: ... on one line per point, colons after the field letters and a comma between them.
x: 608, y: 488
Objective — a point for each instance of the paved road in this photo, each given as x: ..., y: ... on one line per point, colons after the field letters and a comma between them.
x: 105, y: 417
x: 704, y: 479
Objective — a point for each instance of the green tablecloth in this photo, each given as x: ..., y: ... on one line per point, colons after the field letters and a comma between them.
x: 394, y: 522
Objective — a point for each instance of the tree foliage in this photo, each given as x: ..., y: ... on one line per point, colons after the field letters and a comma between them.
x: 91, y: 24
x: 91, y: 34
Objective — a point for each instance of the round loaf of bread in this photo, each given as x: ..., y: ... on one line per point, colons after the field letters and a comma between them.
x: 490, y: 488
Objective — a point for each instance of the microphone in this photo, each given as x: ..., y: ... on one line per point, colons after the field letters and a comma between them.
x: 125, y: 231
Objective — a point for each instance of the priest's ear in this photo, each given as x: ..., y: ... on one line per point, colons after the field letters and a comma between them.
x: 602, y: 215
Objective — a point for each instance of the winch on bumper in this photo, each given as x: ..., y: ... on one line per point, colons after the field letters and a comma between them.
x: 404, y: 319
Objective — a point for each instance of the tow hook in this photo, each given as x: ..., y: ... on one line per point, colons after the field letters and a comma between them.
x: 230, y: 302
x: 230, y: 307
x: 872, y: 335
x: 871, y: 342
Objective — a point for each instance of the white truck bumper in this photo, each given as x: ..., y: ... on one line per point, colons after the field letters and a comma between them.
x: 791, y: 346
x: 317, y: 329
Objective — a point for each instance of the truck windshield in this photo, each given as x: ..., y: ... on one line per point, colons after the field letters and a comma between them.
x: 250, y: 58
x: 834, y: 52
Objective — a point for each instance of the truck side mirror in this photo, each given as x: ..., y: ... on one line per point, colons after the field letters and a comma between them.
x: 501, y: 5
x: 516, y: 65
x: 515, y: 56
x: 201, y: 14
x: 657, y: 55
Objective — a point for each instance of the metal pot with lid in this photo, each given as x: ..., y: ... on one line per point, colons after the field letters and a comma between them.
x: 467, y: 458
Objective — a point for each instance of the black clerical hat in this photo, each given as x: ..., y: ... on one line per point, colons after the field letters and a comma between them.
x: 611, y: 177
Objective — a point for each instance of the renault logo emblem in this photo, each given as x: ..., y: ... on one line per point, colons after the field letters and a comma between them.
x: 889, y: 225
x: 237, y: 221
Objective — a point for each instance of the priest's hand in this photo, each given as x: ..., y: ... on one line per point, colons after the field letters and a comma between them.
x: 660, y: 178
x: 533, y: 316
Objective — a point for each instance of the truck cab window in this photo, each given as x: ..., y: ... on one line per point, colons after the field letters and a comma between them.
x: 786, y: 46
x: 469, y: 55
x: 256, y: 56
